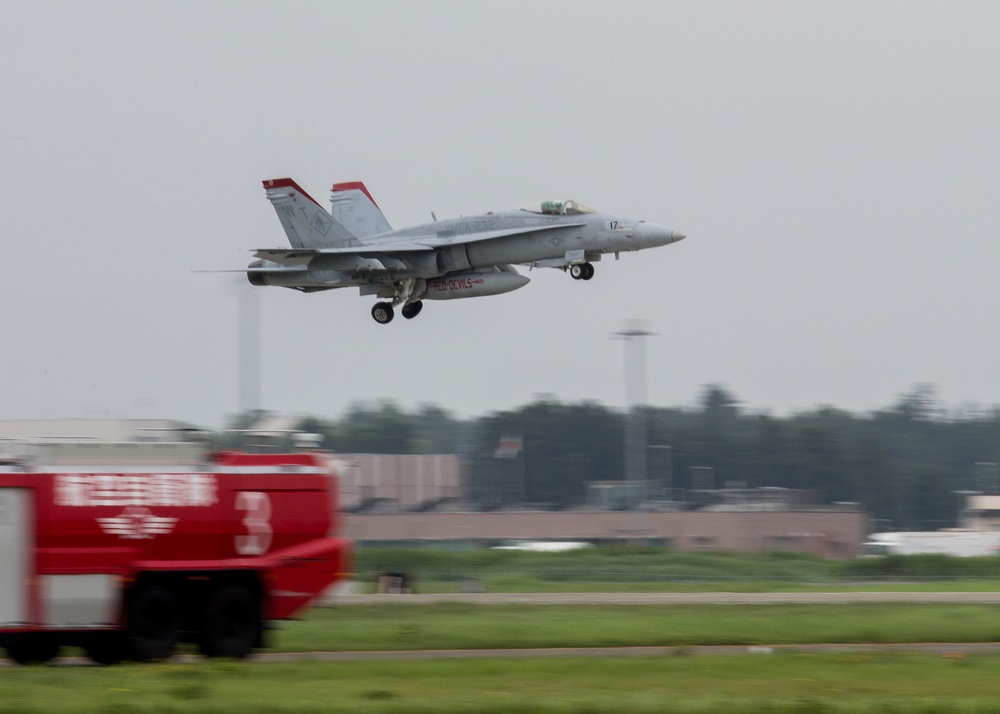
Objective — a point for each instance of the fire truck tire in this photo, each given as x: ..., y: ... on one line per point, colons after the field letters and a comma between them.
x: 33, y: 648
x: 153, y: 618
x: 105, y: 648
x: 231, y: 623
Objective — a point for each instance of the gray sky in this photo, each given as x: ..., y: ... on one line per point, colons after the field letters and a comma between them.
x: 835, y: 166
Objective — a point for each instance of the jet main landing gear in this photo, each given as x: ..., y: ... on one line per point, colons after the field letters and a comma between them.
x: 412, y: 309
x: 582, y: 271
x: 383, y: 312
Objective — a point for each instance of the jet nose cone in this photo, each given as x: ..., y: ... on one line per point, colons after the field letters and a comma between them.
x: 653, y: 234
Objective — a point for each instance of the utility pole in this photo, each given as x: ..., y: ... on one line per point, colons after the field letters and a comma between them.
x: 635, y: 400
x: 249, y: 349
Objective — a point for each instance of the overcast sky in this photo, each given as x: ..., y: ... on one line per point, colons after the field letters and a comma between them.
x: 835, y: 166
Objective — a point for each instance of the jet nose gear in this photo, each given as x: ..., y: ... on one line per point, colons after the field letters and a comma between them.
x: 582, y: 271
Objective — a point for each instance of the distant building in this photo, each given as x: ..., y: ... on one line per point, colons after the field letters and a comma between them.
x: 116, y: 430
x: 399, y: 482
x: 826, y: 533
x: 982, y: 513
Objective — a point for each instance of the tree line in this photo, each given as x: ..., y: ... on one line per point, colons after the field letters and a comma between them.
x: 904, y: 464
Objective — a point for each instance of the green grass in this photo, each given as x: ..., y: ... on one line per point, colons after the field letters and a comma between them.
x: 462, y: 626
x: 782, y: 682
x: 750, y: 683
x: 604, y: 564
x: 641, y: 569
x: 529, y: 584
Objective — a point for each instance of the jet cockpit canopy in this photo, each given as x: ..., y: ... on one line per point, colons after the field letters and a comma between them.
x: 556, y: 208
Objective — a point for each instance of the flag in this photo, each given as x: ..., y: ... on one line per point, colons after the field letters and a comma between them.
x: 508, y: 447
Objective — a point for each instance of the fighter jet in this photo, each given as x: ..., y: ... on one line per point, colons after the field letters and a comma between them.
x: 353, y: 245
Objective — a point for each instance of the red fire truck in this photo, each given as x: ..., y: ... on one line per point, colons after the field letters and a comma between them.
x: 127, y: 549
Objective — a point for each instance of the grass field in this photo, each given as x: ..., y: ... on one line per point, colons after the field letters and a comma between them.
x: 460, y: 626
x: 777, y: 682
x: 645, y: 569
x: 751, y: 683
x: 527, y: 584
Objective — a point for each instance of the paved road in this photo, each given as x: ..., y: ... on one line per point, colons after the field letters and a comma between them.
x: 808, y: 598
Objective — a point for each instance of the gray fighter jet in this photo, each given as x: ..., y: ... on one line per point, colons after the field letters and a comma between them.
x: 352, y: 245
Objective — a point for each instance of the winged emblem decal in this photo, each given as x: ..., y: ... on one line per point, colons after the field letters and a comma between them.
x: 136, y: 523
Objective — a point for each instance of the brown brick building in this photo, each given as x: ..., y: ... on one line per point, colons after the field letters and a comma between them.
x: 828, y: 533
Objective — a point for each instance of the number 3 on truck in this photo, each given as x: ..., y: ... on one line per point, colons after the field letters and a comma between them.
x: 257, y: 523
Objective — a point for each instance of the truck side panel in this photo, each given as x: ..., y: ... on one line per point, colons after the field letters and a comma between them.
x: 169, y: 516
x: 16, y: 547
x: 300, y: 574
x: 81, y: 601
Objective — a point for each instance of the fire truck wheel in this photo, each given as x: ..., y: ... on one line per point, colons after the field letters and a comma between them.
x: 105, y: 648
x: 152, y: 623
x: 231, y: 623
x: 33, y: 648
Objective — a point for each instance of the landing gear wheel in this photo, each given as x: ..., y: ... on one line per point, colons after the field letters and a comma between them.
x: 576, y: 271
x: 412, y: 309
x: 230, y: 623
x: 383, y: 313
x: 588, y: 271
x: 105, y: 648
x: 33, y: 648
x: 153, y: 618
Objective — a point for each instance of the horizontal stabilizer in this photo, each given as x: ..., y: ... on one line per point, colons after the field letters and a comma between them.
x: 285, y: 256
x: 276, y: 269
x: 257, y: 269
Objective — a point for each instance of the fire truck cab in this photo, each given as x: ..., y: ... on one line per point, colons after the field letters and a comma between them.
x: 127, y: 549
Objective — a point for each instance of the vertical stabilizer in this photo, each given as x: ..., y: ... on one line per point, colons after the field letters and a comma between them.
x: 355, y: 209
x: 306, y: 223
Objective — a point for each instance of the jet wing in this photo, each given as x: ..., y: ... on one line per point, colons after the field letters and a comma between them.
x: 431, y: 242
x: 441, y: 240
x: 376, y: 248
x: 299, y: 258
